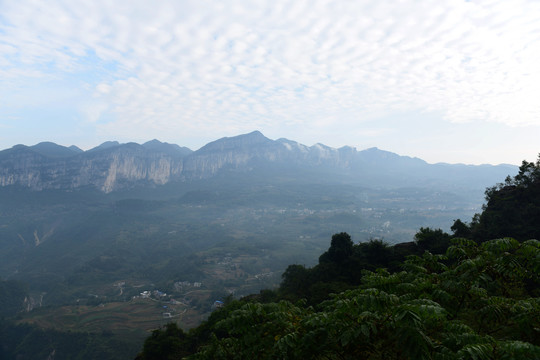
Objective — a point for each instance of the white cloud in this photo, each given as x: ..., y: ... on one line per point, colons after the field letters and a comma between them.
x: 190, y: 67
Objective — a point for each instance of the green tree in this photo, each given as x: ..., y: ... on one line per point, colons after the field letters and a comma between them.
x: 433, y: 240
x: 373, y: 254
x: 167, y: 343
x: 461, y: 229
x: 295, y: 283
x: 341, y: 248
x: 512, y: 208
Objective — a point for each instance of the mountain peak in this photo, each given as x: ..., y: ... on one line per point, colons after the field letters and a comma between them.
x: 153, y: 142
x: 241, y: 141
x: 170, y: 149
x: 106, y: 145
x: 252, y: 137
x: 254, y: 133
x: 53, y: 150
x: 76, y: 149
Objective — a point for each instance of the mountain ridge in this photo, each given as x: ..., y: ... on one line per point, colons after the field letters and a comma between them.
x: 113, y: 166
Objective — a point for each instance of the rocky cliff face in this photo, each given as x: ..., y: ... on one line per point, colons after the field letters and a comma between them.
x: 108, y: 169
x: 123, y: 166
x: 113, y: 166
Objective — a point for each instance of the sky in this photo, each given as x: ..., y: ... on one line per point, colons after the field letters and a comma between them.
x: 446, y: 81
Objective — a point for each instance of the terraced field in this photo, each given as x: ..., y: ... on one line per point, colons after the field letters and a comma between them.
x: 134, y: 318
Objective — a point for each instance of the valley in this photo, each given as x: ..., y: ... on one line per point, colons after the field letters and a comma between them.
x: 100, y: 259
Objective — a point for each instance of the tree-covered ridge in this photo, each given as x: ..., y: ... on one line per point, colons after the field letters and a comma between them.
x: 475, y: 302
x: 342, y: 266
x: 28, y: 342
x: 512, y: 208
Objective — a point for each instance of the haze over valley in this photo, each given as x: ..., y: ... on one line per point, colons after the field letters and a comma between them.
x: 84, y: 228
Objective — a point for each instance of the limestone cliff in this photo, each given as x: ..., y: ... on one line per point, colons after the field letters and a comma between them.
x: 109, y: 169
x: 113, y: 166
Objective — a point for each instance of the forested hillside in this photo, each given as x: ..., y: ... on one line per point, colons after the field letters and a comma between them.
x: 458, y: 296
x: 512, y: 208
x: 26, y: 342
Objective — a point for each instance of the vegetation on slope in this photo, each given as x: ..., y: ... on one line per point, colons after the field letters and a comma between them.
x: 473, y: 299
x: 512, y: 208
x: 27, y: 342
x: 479, y: 306
x: 12, y: 297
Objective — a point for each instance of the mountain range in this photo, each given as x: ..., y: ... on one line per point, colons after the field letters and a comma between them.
x: 112, y: 166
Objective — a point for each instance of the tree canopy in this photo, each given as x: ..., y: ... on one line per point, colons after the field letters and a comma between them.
x: 512, y: 208
x: 479, y: 307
